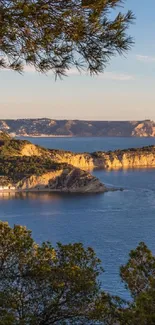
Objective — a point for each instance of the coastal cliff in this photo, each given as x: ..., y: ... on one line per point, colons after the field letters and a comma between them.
x: 129, y: 158
x: 80, y: 160
x: 67, y: 180
x: 26, y: 167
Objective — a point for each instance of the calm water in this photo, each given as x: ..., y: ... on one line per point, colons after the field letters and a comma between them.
x: 111, y: 223
x: 92, y: 144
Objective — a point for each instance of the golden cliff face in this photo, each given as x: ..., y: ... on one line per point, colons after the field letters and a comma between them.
x: 69, y: 179
x: 83, y: 161
x: 125, y: 160
x: 37, y: 182
x: 132, y: 158
x: 30, y: 150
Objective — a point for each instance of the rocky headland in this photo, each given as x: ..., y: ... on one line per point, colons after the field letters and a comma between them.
x: 129, y: 158
x: 66, y: 180
x: 27, y: 167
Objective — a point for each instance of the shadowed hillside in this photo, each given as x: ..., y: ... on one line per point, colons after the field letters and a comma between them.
x: 77, y: 128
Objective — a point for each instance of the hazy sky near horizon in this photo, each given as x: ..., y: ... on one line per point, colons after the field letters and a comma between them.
x: 124, y: 92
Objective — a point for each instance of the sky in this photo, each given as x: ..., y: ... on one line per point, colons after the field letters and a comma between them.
x: 126, y: 90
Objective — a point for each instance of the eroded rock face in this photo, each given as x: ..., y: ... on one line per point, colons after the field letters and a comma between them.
x: 144, y: 129
x: 83, y: 160
x: 65, y: 171
x: 125, y: 159
x: 130, y: 158
x: 30, y: 150
x: 69, y: 179
x: 38, y: 182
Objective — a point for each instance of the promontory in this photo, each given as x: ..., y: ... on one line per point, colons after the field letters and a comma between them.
x: 28, y: 167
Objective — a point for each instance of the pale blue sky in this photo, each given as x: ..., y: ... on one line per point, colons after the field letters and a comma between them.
x: 124, y: 92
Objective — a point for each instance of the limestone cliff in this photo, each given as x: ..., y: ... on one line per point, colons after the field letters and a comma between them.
x: 129, y: 158
x: 29, y: 167
x: 79, y: 160
x: 33, y: 168
x: 76, y: 128
x: 68, y: 179
x: 144, y: 129
x: 30, y: 149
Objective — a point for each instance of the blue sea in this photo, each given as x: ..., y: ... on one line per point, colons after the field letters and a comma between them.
x: 112, y: 223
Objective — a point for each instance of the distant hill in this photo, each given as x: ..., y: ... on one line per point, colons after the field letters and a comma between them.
x: 78, y: 128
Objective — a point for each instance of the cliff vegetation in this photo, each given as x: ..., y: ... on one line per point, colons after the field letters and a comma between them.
x: 30, y: 167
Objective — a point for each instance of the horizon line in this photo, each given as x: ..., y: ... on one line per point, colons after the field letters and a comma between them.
x: 75, y: 119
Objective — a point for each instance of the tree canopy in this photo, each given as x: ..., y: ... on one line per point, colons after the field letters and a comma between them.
x: 139, y: 277
x: 58, y: 35
x: 43, y: 285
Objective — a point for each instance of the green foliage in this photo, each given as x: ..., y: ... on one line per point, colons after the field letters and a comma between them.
x: 4, y: 136
x: 45, y: 285
x: 139, y: 277
x: 57, y: 35
x: 138, y: 273
x: 16, y: 168
x: 12, y: 147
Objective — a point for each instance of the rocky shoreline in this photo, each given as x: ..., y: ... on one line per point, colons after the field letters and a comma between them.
x: 28, y: 167
x: 119, y: 159
x: 67, y: 180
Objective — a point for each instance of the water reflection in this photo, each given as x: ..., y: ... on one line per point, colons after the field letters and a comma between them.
x: 31, y: 195
x: 112, y: 223
x: 45, y: 196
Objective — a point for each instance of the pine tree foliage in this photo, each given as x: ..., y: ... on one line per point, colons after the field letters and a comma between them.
x: 45, y: 285
x: 58, y: 35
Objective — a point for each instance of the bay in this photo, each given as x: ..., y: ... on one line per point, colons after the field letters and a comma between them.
x: 112, y: 223
x: 90, y: 144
